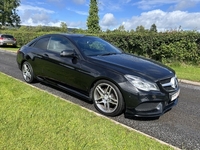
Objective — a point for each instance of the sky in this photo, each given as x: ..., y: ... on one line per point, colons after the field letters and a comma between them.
x: 166, y: 14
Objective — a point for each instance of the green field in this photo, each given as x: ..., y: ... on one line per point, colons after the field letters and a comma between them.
x: 13, y: 49
x: 187, y: 72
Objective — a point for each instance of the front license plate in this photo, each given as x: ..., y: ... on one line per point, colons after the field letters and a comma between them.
x: 174, y: 96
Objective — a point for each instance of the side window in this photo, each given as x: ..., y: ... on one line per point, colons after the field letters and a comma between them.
x: 41, y: 43
x: 58, y: 44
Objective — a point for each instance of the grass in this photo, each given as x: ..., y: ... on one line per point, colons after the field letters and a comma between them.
x: 34, y: 119
x: 187, y: 72
x: 13, y: 49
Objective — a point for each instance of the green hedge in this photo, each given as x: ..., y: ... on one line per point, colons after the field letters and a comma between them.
x: 165, y: 47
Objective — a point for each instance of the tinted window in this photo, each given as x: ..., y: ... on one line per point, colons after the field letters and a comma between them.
x: 58, y: 44
x: 7, y: 36
x: 42, y: 43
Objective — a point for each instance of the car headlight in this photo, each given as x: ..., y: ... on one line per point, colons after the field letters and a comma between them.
x: 141, y: 84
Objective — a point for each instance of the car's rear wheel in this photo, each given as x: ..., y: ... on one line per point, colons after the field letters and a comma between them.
x: 107, y: 98
x: 27, y: 72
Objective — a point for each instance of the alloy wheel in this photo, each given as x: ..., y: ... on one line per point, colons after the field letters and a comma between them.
x: 107, y: 98
x: 27, y: 72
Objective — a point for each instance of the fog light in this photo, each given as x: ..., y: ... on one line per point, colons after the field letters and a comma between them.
x: 159, y: 107
x: 154, y: 97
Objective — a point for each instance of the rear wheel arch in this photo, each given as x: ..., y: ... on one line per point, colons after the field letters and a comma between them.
x: 24, y: 58
x: 27, y: 72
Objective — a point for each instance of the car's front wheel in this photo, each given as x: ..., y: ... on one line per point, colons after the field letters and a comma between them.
x: 107, y: 98
x: 27, y: 72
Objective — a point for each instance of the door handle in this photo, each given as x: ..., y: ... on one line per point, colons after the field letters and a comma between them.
x: 46, y: 55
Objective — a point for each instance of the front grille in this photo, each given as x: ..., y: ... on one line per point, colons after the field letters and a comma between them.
x: 165, y: 81
x: 170, y: 84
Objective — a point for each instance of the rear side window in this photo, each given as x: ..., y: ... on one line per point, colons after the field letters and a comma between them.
x: 58, y: 44
x: 41, y: 43
x: 7, y: 36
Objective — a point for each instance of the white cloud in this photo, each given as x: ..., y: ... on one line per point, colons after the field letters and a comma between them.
x: 150, y: 4
x: 57, y: 4
x: 33, y: 16
x: 165, y: 20
x: 79, y: 12
x: 23, y: 7
x: 184, y: 4
x: 176, y: 4
x: 110, y: 5
x: 79, y: 1
x: 108, y: 21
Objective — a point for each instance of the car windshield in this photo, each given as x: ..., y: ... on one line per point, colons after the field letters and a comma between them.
x: 93, y: 46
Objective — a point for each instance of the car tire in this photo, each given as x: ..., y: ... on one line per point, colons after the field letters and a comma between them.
x: 107, y: 98
x: 27, y: 72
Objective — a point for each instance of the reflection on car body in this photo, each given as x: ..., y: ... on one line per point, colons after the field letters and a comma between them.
x: 116, y: 82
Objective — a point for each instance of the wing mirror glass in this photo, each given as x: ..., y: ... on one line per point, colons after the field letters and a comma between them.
x: 67, y: 53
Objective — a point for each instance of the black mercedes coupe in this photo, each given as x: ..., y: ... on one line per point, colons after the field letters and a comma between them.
x: 90, y: 67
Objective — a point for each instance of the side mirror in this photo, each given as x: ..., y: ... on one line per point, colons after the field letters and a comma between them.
x: 67, y: 53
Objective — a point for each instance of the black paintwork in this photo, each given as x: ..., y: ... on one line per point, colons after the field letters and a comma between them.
x: 77, y: 72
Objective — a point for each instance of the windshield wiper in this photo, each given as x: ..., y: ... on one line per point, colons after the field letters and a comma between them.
x: 107, y: 54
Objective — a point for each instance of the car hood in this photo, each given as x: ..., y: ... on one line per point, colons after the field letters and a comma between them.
x: 134, y: 65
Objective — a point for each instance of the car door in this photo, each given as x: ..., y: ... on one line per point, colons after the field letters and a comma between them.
x: 58, y: 69
x: 37, y: 51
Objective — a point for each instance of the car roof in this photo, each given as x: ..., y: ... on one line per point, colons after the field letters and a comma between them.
x: 6, y: 34
x: 73, y: 35
x: 69, y: 35
x: 64, y: 34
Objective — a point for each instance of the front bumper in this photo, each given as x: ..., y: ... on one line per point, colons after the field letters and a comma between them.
x: 149, y: 109
x: 148, y: 104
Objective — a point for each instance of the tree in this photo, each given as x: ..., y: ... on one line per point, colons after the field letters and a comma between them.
x: 93, y: 18
x: 63, y: 26
x: 8, y: 13
x: 121, y: 28
x: 140, y: 29
x: 153, y: 28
